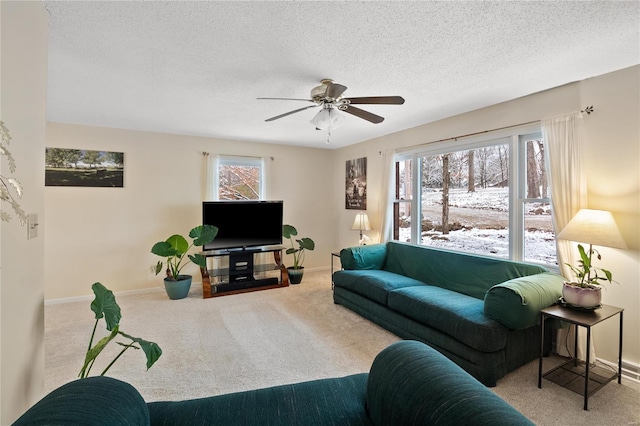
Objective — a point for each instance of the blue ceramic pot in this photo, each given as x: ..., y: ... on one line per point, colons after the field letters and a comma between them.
x: 178, y: 289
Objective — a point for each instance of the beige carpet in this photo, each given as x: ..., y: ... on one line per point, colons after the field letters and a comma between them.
x: 273, y: 337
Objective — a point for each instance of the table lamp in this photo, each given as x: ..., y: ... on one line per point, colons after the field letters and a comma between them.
x: 593, y: 227
x: 361, y: 223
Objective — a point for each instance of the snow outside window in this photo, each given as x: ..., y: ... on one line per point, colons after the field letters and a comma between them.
x: 488, y: 197
x: 240, y: 178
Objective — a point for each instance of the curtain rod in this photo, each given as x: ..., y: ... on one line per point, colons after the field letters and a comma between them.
x: 588, y: 110
x: 206, y: 154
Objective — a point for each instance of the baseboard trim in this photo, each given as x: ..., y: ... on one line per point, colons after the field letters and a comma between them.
x: 318, y: 269
x: 90, y: 297
x: 194, y: 284
x: 630, y: 370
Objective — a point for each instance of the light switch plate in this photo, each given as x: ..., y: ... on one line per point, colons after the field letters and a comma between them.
x: 32, y: 226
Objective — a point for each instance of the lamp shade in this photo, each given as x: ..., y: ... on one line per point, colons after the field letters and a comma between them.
x: 327, y: 118
x: 361, y: 222
x: 596, y: 227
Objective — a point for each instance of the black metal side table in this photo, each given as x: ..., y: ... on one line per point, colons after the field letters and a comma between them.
x: 333, y: 254
x: 568, y: 374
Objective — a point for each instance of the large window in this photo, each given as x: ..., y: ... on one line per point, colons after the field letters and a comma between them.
x: 240, y: 178
x: 488, y: 197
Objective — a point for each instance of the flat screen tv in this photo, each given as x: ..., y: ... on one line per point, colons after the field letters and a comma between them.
x: 243, y: 224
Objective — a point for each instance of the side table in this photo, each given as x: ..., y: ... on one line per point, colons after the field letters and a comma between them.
x: 333, y: 254
x: 568, y: 374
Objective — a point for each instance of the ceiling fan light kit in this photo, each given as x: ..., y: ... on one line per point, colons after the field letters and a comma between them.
x: 327, y: 118
x: 329, y: 96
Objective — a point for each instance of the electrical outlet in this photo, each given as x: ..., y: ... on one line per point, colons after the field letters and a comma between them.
x: 32, y: 226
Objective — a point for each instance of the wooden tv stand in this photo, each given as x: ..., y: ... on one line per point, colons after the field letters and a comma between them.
x: 239, y: 275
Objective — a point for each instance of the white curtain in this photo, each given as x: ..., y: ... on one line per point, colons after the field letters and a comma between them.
x: 564, y: 142
x: 265, y: 178
x: 385, y: 208
x: 211, y: 176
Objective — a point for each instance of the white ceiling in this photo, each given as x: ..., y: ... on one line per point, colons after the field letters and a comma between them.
x: 196, y: 68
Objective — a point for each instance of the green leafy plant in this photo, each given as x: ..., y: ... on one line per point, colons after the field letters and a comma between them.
x: 176, y: 249
x: 585, y: 272
x: 298, y: 246
x: 9, y: 185
x: 104, y: 306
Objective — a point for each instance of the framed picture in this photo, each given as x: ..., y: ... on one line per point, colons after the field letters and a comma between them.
x: 356, y: 184
x: 81, y: 167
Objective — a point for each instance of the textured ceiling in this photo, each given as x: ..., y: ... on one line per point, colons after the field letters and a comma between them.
x: 196, y: 68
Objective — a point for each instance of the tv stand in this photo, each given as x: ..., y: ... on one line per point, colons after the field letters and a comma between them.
x: 240, y: 274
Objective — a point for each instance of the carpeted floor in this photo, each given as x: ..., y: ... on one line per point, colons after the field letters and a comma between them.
x: 273, y: 337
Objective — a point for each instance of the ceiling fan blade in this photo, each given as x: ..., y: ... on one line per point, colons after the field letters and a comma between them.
x: 334, y: 90
x: 289, y: 99
x: 382, y: 100
x: 364, y: 114
x: 289, y: 113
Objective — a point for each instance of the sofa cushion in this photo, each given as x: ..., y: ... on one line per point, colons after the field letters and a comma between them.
x: 517, y: 303
x: 455, y: 314
x: 337, y: 401
x: 373, y: 284
x: 94, y: 401
x: 487, y: 367
x: 363, y: 257
x: 464, y: 273
x: 412, y: 384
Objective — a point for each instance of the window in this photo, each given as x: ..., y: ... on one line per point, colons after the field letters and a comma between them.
x: 240, y: 178
x: 539, y: 243
x: 488, y: 197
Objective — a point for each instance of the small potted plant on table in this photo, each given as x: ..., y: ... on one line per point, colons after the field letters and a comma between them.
x: 175, y: 249
x: 297, y: 250
x: 586, y: 291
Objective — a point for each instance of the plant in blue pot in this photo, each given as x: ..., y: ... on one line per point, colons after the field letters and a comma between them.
x: 176, y: 251
x: 298, y: 246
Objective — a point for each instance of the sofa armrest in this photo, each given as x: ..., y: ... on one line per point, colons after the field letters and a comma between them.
x: 411, y: 383
x: 94, y: 401
x: 364, y: 257
x: 516, y: 303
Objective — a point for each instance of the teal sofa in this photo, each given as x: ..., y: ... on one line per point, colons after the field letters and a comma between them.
x: 481, y: 312
x: 409, y: 384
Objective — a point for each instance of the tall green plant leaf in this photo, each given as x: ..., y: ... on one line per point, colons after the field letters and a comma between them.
x: 584, y: 257
x: 307, y: 243
x: 179, y: 244
x: 203, y: 234
x: 163, y: 249
x: 151, y: 349
x: 288, y: 231
x: 93, y: 353
x: 199, y: 260
x: 104, y: 305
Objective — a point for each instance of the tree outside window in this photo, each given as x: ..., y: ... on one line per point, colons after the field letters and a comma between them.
x: 467, y: 201
x: 239, y: 178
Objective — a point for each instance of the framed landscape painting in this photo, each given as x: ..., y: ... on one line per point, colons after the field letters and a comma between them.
x: 356, y: 184
x: 81, y: 167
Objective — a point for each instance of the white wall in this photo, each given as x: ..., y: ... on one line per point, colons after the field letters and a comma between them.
x: 23, y: 108
x: 105, y: 234
x: 613, y: 159
x: 613, y: 181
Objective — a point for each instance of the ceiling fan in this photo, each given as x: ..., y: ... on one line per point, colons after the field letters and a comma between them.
x: 329, y: 96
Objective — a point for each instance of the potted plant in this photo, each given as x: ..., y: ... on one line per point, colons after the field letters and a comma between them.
x: 104, y: 306
x: 586, y: 291
x: 297, y: 250
x: 175, y: 249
